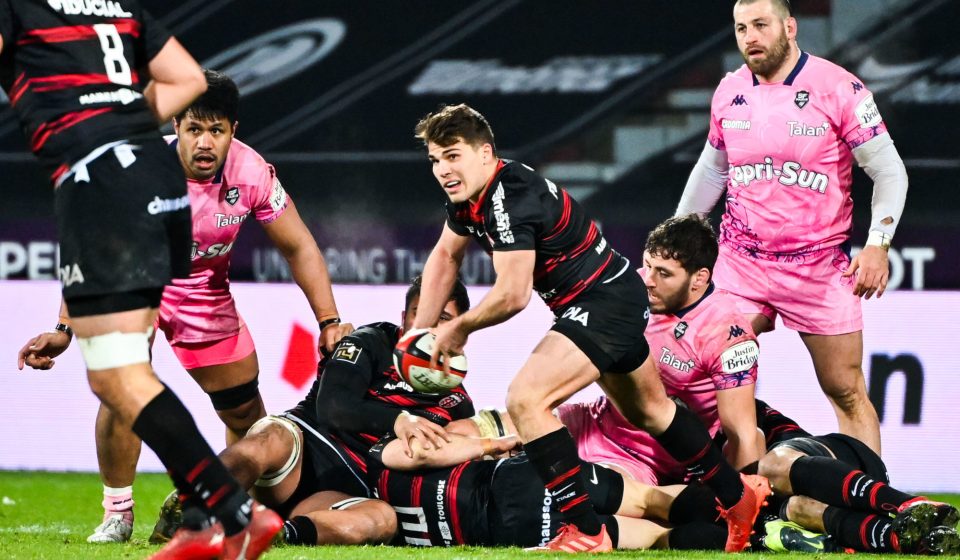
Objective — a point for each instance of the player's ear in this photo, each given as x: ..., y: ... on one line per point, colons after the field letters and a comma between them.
x: 236, y: 125
x: 791, y: 25
x: 701, y: 279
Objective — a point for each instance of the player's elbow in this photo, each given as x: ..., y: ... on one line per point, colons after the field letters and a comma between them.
x: 193, y: 81
x: 516, y: 298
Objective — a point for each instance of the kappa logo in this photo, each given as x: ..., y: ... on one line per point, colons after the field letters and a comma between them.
x: 739, y: 100
x: 232, y: 196
x: 577, y: 314
x: 801, y: 99
x: 680, y: 330
x: 736, y: 332
x: 857, y: 86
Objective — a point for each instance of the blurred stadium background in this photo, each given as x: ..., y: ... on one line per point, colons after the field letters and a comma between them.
x: 607, y: 98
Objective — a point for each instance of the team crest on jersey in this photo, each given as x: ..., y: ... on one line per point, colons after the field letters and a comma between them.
x: 802, y: 98
x: 232, y: 196
x: 680, y: 330
x: 451, y: 400
x: 347, y: 352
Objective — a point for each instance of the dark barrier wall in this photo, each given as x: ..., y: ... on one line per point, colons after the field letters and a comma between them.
x: 331, y: 92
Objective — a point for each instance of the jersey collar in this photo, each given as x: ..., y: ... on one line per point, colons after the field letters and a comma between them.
x: 793, y: 73
x: 475, y: 208
x: 692, y: 306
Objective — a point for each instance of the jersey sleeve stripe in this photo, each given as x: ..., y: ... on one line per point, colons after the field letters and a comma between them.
x: 58, y: 82
x: 564, y: 218
x: 452, y: 502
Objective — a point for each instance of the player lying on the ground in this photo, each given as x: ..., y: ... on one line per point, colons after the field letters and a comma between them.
x: 835, y: 484
x: 504, y: 503
x: 314, y: 455
x: 227, y: 181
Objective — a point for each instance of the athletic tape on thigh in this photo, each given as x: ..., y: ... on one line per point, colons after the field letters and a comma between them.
x: 116, y: 349
x: 276, y: 477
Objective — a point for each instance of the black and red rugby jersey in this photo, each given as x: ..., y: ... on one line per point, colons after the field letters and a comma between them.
x: 520, y: 210
x: 71, y: 71
x: 366, y: 358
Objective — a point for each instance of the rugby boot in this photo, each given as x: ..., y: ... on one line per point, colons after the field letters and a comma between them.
x: 117, y: 527
x: 742, y: 515
x: 256, y: 537
x: 171, y: 519
x: 188, y: 544
x: 917, y: 518
x: 570, y: 539
x: 787, y: 536
x: 940, y: 541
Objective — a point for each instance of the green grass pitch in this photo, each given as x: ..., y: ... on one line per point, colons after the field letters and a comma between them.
x: 49, y: 515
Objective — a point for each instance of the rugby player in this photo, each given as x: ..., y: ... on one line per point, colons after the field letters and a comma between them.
x: 785, y: 130
x: 72, y: 72
x: 540, y: 238
x: 227, y: 182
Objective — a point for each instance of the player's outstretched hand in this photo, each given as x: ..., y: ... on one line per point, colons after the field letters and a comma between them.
x: 40, y: 350
x: 449, y: 341
x: 409, y: 427
x: 331, y: 335
x: 874, y: 271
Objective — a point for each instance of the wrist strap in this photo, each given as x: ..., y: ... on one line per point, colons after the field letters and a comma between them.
x: 879, y: 239
x: 327, y: 322
x: 64, y: 328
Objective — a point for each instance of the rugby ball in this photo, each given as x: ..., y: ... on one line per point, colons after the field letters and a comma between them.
x: 411, y: 357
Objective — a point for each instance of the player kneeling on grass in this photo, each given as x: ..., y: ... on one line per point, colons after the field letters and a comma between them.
x: 313, y: 456
x: 227, y: 181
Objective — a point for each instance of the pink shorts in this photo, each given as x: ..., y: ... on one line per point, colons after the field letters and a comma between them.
x: 194, y: 355
x: 806, y: 290
x: 595, y: 447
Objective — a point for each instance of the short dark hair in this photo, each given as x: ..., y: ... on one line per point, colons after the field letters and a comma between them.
x: 451, y: 123
x: 780, y: 7
x: 689, y: 239
x: 221, y: 100
x: 458, y: 295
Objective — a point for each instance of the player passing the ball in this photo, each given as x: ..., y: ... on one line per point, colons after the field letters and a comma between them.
x: 541, y: 239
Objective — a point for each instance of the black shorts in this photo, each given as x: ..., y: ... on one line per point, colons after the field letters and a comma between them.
x: 126, y: 229
x: 324, y: 467
x: 607, y: 322
x: 521, y: 512
x: 850, y: 450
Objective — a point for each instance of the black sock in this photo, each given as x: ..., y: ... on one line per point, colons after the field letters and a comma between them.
x: 555, y: 458
x: 775, y: 426
x: 169, y: 430
x: 698, y: 535
x: 866, y: 532
x: 696, y: 502
x: 836, y: 483
x: 613, y: 529
x: 300, y: 530
x: 687, y: 441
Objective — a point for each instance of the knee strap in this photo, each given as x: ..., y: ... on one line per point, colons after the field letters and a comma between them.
x: 232, y: 397
x: 116, y: 349
x: 276, y: 477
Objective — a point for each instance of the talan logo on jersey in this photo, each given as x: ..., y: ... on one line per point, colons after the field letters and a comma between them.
x: 347, y: 352
x: 122, y: 96
x: 790, y: 174
x: 668, y: 358
x: 227, y: 220
x: 867, y: 113
x: 211, y: 252
x: 232, y: 196
x: 733, y: 124
x: 740, y: 357
x: 798, y: 128
x: 680, y: 330
x: 577, y: 315
x: 102, y: 8
x: 502, y: 217
x: 801, y: 99
x: 161, y: 205
x: 70, y: 275
x: 738, y: 100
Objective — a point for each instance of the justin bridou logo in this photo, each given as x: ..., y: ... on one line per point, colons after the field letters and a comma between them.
x: 279, y: 54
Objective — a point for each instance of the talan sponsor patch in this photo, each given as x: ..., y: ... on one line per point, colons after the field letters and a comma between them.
x: 740, y: 357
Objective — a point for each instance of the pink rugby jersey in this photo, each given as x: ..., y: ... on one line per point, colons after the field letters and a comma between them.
x: 789, y: 149
x: 705, y: 348
x: 200, y: 308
